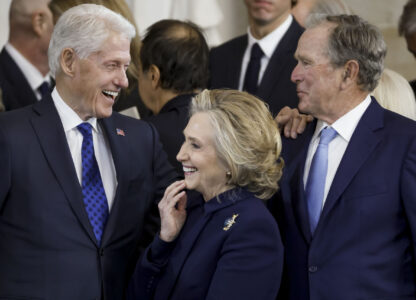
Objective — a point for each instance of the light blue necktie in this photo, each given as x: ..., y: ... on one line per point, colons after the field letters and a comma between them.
x: 95, y: 200
x: 317, y: 175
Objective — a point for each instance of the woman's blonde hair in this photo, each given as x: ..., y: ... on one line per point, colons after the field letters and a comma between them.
x: 247, y: 140
x: 395, y: 93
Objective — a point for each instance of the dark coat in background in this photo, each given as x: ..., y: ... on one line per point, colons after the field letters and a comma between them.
x: 276, y: 88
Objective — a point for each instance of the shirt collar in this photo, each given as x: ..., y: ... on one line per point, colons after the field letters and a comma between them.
x: 226, y: 199
x: 178, y: 101
x: 269, y: 43
x: 32, y: 74
x: 345, y: 126
x: 69, y: 117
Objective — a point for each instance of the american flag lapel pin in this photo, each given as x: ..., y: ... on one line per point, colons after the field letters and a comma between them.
x: 120, y: 132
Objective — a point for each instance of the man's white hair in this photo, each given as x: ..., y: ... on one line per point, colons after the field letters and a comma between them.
x: 85, y: 28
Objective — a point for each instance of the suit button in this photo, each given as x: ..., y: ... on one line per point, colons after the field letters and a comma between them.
x: 313, y: 269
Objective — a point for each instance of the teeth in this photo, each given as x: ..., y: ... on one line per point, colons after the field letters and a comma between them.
x: 188, y: 169
x: 110, y: 93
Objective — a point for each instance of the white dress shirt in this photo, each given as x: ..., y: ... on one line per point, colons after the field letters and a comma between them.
x: 70, y: 121
x: 345, y: 127
x: 32, y: 74
x: 268, y: 45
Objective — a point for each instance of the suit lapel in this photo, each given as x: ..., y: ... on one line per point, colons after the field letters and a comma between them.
x: 362, y: 144
x: 184, y: 245
x: 117, y: 144
x: 299, y: 205
x: 295, y: 171
x: 17, y: 81
x: 235, y: 62
x: 50, y: 133
x: 281, y: 56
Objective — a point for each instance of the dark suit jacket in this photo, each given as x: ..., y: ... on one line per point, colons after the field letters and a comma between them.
x: 209, y: 262
x: 130, y: 98
x: 48, y: 249
x: 364, y: 244
x: 275, y: 89
x: 170, y: 123
x: 16, y: 89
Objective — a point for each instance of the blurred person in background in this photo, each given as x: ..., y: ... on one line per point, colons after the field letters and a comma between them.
x: 407, y: 28
x: 24, y: 70
x: 303, y: 9
x: 394, y: 93
x: 174, y: 67
x: 261, y: 61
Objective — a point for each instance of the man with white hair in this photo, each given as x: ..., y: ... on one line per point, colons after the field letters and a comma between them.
x: 24, y: 70
x: 77, y: 180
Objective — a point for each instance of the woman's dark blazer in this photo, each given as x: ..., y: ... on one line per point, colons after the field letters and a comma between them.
x: 229, y: 248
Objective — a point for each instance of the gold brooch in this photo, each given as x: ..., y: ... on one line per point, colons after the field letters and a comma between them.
x: 230, y: 222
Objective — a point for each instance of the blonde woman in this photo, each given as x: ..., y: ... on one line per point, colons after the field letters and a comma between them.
x: 223, y: 243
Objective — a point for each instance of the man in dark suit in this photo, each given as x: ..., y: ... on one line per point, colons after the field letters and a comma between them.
x: 174, y: 66
x: 275, y: 32
x: 24, y: 59
x: 78, y: 181
x: 347, y: 204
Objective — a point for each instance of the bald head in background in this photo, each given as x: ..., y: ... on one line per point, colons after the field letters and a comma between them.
x: 24, y: 70
x: 31, y: 26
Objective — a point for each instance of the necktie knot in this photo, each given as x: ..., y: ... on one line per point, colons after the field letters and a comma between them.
x: 327, y: 135
x: 85, y: 129
x: 44, y: 89
x: 256, y: 51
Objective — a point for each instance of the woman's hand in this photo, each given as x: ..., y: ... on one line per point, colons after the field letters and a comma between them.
x: 172, y: 209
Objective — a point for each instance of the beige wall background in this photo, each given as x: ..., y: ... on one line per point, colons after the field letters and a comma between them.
x: 383, y: 13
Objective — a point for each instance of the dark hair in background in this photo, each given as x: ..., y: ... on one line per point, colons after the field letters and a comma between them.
x: 180, y: 52
x: 407, y: 22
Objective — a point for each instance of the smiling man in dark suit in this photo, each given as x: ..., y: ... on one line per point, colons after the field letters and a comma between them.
x: 77, y: 180
x: 24, y: 70
x: 347, y: 205
x: 261, y: 61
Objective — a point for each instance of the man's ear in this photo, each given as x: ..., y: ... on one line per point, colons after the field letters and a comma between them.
x: 350, y: 73
x: 39, y: 23
x: 154, y: 74
x: 67, y: 61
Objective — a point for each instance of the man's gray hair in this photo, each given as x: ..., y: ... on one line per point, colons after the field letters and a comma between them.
x: 353, y: 38
x: 85, y: 28
x: 407, y: 23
